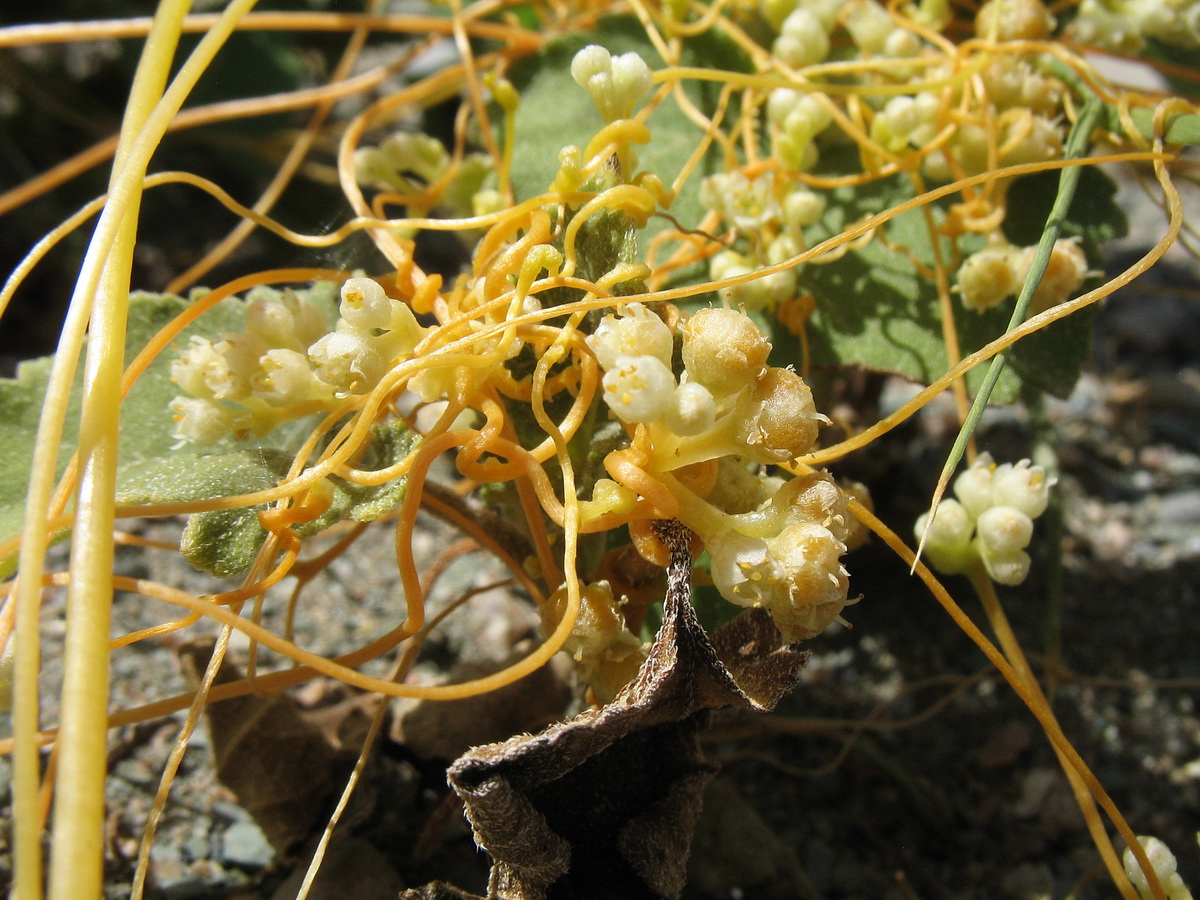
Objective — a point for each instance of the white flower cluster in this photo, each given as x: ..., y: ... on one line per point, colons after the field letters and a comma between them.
x: 1124, y: 25
x: 785, y: 556
x: 991, y: 521
x: 804, y: 28
x: 773, y: 543
x: 727, y: 397
x: 615, y: 83
x: 607, y: 652
x: 797, y: 119
x: 1026, y: 106
x: 774, y: 230
x: 991, y: 275
x: 287, y: 363
x: 1163, y: 862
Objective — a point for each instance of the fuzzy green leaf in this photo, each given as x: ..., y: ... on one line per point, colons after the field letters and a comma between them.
x: 390, y: 443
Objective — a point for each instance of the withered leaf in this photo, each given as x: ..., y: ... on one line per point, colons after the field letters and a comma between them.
x: 604, y: 806
x: 283, y: 768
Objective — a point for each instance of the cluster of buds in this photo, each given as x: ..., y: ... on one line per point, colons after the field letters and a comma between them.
x: 607, y: 652
x: 410, y: 162
x: 1125, y: 25
x: 615, y: 83
x: 772, y: 543
x: 797, y: 119
x: 990, y: 522
x: 773, y: 227
x: 726, y: 399
x: 991, y: 275
x: 804, y: 28
x: 287, y: 363
x: 248, y: 382
x: 1164, y: 864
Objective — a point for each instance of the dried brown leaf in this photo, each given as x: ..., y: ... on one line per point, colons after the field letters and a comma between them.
x: 282, y: 767
x: 604, y: 806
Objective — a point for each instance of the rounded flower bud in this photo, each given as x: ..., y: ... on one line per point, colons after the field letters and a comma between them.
x: 974, y: 486
x: 778, y: 420
x: 723, y: 350
x: 1006, y: 568
x: 1013, y: 20
x: 803, y: 41
x: 639, y: 388
x: 693, y: 411
x: 1003, y: 530
x: 803, y: 208
x: 1065, y: 272
x: 365, y: 305
x: 269, y: 319
x: 948, y: 542
x: 987, y: 277
x: 599, y: 624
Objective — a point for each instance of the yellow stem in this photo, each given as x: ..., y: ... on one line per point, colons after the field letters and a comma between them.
x: 997, y: 618
x: 76, y: 866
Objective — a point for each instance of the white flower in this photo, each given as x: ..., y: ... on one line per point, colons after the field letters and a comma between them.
x: 745, y: 204
x: 198, y: 367
x: 1022, y: 486
x: 974, y: 486
x: 635, y: 332
x: 286, y: 378
x: 797, y: 576
x: 639, y: 388
x: 1162, y: 860
x: 203, y: 421
x: 347, y: 362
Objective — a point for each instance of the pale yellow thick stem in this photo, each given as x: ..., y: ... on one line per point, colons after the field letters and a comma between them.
x: 76, y: 865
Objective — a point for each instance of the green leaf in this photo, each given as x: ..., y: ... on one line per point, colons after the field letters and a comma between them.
x: 556, y: 112
x: 876, y: 311
x: 1094, y: 214
x: 390, y: 443
x: 145, y: 420
x: 874, y: 308
x: 222, y: 542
